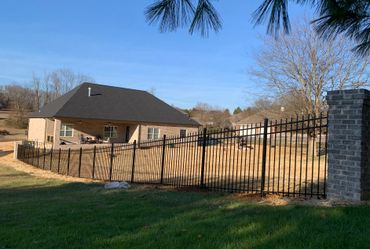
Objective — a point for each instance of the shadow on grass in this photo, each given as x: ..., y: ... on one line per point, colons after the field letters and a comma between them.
x: 43, y: 213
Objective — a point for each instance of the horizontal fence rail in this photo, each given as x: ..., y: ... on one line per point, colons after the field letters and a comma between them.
x: 286, y: 157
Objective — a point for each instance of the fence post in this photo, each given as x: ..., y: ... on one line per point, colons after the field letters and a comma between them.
x: 60, y: 150
x: 79, y: 163
x: 33, y: 155
x: 69, y: 158
x: 38, y: 157
x: 133, y: 163
x: 203, y: 157
x: 264, y: 149
x: 20, y: 154
x: 23, y: 153
x: 93, y: 169
x: 111, y: 162
x: 26, y: 153
x: 51, y: 157
x: 19, y: 149
x: 29, y: 155
x: 163, y: 156
x: 43, y: 164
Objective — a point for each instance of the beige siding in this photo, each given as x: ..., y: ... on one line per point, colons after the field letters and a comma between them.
x: 36, y: 129
x: 40, y: 129
x: 165, y: 130
x: 134, y: 133
x: 49, y: 129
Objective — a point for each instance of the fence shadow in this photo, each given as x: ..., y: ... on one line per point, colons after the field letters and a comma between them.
x: 84, y: 215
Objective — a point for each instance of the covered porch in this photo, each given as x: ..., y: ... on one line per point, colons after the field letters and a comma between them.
x: 69, y: 132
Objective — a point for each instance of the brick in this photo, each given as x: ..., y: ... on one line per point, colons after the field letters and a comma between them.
x: 349, y: 144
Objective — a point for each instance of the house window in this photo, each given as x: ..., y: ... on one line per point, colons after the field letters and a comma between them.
x: 66, y: 130
x: 50, y: 139
x: 153, y: 133
x: 110, y: 131
x: 182, y: 133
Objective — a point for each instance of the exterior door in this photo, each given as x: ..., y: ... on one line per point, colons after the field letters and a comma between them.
x: 127, y: 134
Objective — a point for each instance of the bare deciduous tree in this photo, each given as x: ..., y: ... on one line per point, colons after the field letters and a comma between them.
x: 60, y: 81
x: 4, y: 100
x: 211, y: 116
x: 36, y: 85
x: 54, y: 84
x: 42, y: 90
x: 152, y: 90
x: 21, y: 100
x: 304, y: 67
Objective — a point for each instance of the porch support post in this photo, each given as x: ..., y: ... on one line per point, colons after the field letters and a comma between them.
x: 56, y: 134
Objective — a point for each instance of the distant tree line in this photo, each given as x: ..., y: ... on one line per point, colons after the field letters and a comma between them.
x: 275, y: 107
x: 39, y: 91
x: 210, y: 116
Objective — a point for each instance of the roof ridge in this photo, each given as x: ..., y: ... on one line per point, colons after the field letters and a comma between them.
x: 119, y: 87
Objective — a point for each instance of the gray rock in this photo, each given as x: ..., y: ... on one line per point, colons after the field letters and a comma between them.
x: 117, y: 185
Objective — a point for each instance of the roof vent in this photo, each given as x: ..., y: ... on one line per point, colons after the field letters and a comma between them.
x: 89, y: 91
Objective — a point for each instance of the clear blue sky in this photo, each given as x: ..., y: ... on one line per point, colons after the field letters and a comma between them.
x: 111, y: 41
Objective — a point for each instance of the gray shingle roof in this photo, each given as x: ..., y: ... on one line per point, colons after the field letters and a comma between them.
x: 113, y: 103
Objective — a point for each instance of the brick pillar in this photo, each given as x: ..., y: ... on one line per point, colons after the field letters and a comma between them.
x: 349, y: 145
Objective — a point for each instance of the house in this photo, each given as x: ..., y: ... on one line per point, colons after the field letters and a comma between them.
x: 93, y: 113
x: 251, y: 125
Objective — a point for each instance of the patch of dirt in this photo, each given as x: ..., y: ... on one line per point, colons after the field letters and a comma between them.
x: 275, y: 200
x: 278, y: 200
x: 14, y: 133
x: 6, y: 158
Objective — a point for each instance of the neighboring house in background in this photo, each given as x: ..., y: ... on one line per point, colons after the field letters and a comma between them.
x: 251, y: 125
x: 93, y: 113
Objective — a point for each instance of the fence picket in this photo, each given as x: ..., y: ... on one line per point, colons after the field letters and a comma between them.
x: 204, y: 139
x: 264, y: 149
x: 133, y: 163
x: 163, y: 157
x: 111, y: 162
x: 94, y: 163
x: 79, y: 163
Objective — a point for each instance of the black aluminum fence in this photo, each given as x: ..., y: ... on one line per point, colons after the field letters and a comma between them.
x: 285, y: 157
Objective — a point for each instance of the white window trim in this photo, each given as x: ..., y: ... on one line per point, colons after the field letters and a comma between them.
x: 113, y: 127
x: 159, y: 133
x: 65, y: 131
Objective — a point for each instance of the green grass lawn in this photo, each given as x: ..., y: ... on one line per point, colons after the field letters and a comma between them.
x: 41, y: 213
